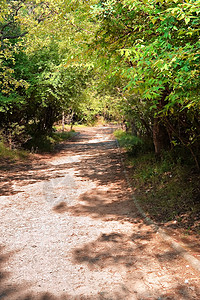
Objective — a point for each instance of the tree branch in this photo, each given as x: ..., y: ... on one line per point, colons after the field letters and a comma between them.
x: 14, y: 36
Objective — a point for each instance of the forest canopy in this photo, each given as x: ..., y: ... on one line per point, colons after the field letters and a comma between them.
x: 137, y: 62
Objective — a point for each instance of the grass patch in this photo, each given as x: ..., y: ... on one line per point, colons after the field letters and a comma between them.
x: 6, y: 153
x: 128, y: 141
x: 166, y: 190
x: 62, y: 136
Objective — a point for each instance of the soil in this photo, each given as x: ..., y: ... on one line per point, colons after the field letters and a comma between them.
x: 70, y: 230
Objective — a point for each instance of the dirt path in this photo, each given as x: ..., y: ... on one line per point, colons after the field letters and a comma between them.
x: 70, y: 230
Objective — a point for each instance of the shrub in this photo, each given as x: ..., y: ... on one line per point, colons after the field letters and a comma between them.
x: 132, y: 144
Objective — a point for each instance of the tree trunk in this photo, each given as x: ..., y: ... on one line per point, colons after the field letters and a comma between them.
x: 133, y: 129
x: 63, y: 121
x: 160, y: 135
x: 72, y: 120
x: 10, y: 140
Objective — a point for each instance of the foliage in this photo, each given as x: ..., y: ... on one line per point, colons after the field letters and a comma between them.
x: 135, y: 62
x: 132, y: 61
x: 128, y: 141
x: 6, y: 153
x: 39, y: 76
x: 154, y: 46
x: 167, y: 190
x: 47, y: 143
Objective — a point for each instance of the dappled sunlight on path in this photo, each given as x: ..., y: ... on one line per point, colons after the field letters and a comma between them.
x: 70, y: 230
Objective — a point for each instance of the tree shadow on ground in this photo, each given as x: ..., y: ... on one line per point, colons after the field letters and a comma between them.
x: 98, y: 162
x: 113, y: 254
x: 104, y: 205
x: 21, y: 175
x: 103, y: 167
x: 7, y: 291
x: 30, y: 172
x: 131, y: 252
x: 112, y: 249
x: 12, y: 291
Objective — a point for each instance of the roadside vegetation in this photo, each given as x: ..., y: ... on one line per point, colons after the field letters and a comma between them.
x: 6, y: 153
x: 47, y: 143
x: 167, y: 188
x: 132, y: 62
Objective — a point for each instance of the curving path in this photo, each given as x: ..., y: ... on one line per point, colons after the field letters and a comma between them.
x: 70, y: 230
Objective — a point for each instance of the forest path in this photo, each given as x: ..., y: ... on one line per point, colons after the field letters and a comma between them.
x: 70, y: 230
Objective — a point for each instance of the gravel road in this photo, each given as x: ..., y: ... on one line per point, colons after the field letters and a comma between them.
x: 70, y: 230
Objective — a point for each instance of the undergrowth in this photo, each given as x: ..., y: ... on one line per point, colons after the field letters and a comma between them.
x: 6, y: 153
x: 46, y: 143
x: 37, y: 144
x: 167, y: 189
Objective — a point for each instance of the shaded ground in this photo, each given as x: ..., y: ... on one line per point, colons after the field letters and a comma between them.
x: 70, y: 230
x: 171, y: 198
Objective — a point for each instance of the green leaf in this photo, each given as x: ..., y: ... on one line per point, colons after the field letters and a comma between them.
x: 187, y: 20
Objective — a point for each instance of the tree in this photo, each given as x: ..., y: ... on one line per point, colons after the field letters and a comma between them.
x: 159, y: 45
x: 40, y: 73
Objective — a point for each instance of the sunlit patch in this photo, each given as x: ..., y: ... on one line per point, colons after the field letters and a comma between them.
x: 65, y: 160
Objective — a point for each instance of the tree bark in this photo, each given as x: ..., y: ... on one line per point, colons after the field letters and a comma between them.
x: 160, y: 135
x: 63, y: 121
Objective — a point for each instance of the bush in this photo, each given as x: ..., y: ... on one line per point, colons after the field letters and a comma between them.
x: 131, y: 143
x: 5, y: 152
x: 47, y: 143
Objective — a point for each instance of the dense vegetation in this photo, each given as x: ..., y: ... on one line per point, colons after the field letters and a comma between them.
x: 133, y: 61
x: 142, y: 57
